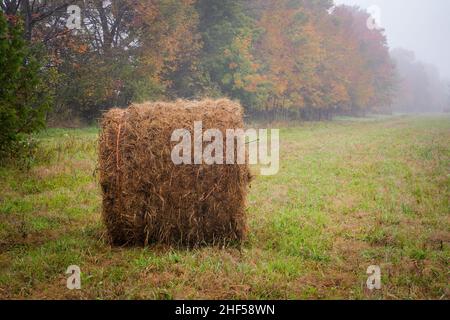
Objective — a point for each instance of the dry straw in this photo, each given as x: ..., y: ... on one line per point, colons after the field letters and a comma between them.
x: 148, y: 199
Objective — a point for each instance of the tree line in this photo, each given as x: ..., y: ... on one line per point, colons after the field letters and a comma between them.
x: 299, y: 59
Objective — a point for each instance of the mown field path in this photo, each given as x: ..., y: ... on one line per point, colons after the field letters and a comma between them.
x: 349, y: 194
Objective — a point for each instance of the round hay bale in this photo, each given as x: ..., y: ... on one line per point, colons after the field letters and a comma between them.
x: 148, y: 199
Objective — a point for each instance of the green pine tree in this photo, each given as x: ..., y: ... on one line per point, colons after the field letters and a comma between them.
x: 24, y: 94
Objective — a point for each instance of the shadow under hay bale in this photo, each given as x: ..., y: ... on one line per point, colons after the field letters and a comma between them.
x: 148, y: 199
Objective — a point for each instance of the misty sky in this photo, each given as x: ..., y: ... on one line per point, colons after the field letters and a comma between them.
x: 422, y: 26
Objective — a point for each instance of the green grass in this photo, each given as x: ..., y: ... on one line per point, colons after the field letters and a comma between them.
x: 349, y: 194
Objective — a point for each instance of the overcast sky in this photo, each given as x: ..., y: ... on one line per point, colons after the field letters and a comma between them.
x: 422, y: 26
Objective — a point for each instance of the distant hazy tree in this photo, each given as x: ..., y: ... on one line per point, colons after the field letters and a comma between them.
x: 447, y: 107
x: 420, y: 88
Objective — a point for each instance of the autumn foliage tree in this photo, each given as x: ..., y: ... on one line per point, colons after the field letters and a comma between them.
x: 320, y: 63
x: 292, y: 58
x: 371, y: 70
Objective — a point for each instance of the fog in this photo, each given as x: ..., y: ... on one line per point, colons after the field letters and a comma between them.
x: 416, y: 25
x: 417, y: 33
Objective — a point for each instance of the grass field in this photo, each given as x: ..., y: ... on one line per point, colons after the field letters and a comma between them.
x: 349, y: 194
